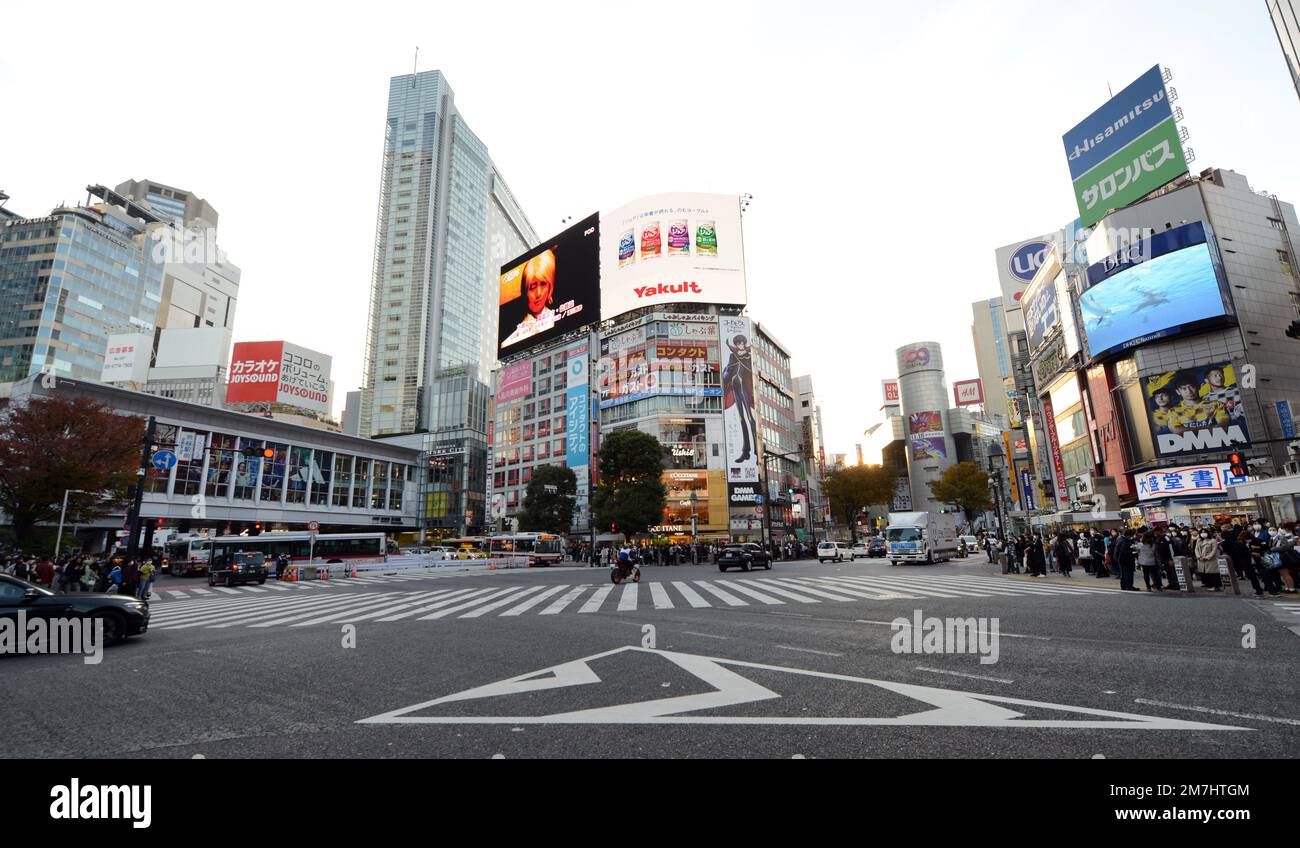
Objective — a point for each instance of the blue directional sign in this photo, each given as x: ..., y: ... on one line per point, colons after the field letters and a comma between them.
x: 163, y: 460
x: 758, y: 499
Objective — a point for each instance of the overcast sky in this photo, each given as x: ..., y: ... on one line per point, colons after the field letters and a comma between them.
x: 890, y: 147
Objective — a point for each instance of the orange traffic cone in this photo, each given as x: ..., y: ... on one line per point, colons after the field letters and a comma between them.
x: 354, y: 571
x: 325, y: 575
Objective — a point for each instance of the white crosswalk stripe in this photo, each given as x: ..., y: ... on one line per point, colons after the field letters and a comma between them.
x: 289, y: 608
x: 558, y: 607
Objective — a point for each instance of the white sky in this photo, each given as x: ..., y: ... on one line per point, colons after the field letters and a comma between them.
x: 890, y: 147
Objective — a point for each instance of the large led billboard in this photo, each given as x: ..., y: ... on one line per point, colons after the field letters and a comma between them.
x: 1125, y: 150
x: 672, y: 248
x: 552, y: 289
x: 1162, y: 286
x: 1195, y: 410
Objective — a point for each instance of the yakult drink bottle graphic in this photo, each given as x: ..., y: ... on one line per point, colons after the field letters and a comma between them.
x: 651, y: 243
x: 627, y: 248
x: 706, y: 239
x: 679, y: 238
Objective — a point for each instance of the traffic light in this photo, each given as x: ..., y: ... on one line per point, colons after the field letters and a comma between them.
x: 1293, y: 331
x: 257, y: 529
x: 268, y: 453
x: 1238, y: 464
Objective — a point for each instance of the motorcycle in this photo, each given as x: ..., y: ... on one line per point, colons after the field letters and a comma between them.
x: 620, y: 571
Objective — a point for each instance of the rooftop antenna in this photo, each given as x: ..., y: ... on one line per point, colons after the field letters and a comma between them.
x: 415, y: 68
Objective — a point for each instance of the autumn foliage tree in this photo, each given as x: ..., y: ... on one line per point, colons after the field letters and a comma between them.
x: 965, y: 486
x: 51, y: 445
x: 852, y: 489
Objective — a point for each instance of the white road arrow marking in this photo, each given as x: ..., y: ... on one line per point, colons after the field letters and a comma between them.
x: 950, y: 708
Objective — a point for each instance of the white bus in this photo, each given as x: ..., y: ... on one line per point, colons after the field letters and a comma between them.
x: 187, y: 556
x: 353, y: 548
x: 540, y: 548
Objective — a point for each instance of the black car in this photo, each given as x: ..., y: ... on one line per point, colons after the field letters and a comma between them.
x: 876, y: 547
x: 122, y: 615
x: 238, y: 568
x: 744, y: 557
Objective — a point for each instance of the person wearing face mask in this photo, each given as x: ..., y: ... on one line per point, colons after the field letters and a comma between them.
x: 1207, y: 561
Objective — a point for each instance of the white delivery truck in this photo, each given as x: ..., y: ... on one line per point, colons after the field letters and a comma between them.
x: 921, y: 537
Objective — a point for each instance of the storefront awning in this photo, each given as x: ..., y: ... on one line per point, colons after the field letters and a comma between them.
x: 1274, y: 488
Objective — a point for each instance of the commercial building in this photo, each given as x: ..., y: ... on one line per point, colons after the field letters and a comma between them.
x: 530, y: 425
x: 1210, y: 369
x: 993, y: 355
x: 72, y: 279
x: 446, y: 222
x: 1286, y: 23
x: 813, y: 441
x: 781, y: 438
x: 183, y: 209
x: 221, y: 482
x: 923, y: 391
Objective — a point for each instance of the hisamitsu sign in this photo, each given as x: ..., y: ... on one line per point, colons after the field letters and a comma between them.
x: 1124, y: 150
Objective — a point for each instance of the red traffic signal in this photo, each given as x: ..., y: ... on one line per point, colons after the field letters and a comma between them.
x: 1238, y: 464
x: 268, y: 453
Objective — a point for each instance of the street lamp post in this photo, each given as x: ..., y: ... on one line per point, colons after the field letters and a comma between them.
x: 58, y: 541
x: 995, y: 487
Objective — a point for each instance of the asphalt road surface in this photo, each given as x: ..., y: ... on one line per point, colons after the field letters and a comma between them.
x: 800, y: 661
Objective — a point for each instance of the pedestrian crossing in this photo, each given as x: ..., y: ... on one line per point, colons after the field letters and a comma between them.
x: 270, y: 586
x: 302, y: 608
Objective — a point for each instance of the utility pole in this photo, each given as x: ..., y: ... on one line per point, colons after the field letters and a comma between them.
x: 133, y: 517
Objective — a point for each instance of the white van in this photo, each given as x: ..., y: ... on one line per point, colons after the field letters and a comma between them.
x: 832, y: 551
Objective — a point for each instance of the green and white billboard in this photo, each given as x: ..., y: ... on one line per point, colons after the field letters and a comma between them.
x: 1125, y: 150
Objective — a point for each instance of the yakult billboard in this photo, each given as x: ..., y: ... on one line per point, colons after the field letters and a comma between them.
x: 671, y: 248
x: 279, y: 372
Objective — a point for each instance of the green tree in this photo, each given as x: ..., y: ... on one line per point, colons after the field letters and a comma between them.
x: 852, y: 489
x: 631, y: 494
x: 965, y: 486
x: 51, y: 445
x: 549, y: 499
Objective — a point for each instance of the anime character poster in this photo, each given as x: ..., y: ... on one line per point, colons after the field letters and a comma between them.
x: 738, y: 414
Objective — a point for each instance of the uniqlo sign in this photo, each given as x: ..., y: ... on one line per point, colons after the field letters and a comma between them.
x: 279, y: 372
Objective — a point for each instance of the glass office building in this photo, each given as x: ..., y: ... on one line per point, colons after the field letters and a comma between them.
x: 446, y: 222
x: 70, y: 280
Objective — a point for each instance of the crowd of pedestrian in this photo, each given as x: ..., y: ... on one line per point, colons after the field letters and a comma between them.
x: 111, y: 573
x: 1269, y: 557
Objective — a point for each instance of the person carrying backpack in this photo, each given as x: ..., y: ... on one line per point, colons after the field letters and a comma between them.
x: 114, y: 579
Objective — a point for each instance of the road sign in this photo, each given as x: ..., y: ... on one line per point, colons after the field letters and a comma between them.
x: 758, y: 499
x: 313, y: 525
x: 163, y: 460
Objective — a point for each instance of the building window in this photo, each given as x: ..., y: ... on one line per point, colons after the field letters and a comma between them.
x: 322, y: 462
x: 380, y: 487
x: 273, y: 473
x: 361, y: 483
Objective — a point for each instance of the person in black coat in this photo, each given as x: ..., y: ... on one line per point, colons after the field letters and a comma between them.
x: 1098, y: 546
x: 1036, y: 559
x: 1126, y: 559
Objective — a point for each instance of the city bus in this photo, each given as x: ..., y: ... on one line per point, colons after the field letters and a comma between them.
x: 352, y: 548
x: 540, y: 548
x: 187, y: 556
